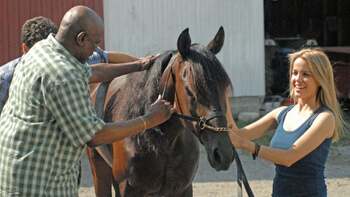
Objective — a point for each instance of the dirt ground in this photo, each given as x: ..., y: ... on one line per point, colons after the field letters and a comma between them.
x: 209, y: 183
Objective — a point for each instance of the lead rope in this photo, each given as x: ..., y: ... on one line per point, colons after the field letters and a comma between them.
x: 241, y: 177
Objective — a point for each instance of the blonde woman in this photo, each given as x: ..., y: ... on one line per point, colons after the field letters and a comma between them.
x: 303, y: 131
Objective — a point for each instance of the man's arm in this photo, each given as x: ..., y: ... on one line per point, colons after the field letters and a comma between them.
x: 159, y: 112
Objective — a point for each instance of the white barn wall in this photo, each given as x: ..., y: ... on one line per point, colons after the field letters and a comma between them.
x: 143, y: 27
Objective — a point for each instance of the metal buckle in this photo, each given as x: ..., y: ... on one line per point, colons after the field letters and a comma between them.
x: 202, y: 123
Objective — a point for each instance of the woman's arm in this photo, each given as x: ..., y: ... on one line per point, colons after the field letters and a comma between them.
x: 256, y: 129
x: 260, y: 127
x: 322, y: 128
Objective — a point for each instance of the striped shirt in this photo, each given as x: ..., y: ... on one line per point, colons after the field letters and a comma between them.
x: 46, y: 123
x: 7, y: 70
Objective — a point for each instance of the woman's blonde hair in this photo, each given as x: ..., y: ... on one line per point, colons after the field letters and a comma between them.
x: 322, y: 71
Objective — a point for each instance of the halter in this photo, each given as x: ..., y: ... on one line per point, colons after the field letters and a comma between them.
x: 203, y: 123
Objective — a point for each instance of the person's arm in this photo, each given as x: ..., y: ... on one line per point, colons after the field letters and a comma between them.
x: 118, y: 57
x: 322, y: 128
x: 258, y: 128
x: 107, y: 72
x: 159, y: 112
x: 70, y: 106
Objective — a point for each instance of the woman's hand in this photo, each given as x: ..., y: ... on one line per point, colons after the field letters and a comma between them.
x: 236, y: 140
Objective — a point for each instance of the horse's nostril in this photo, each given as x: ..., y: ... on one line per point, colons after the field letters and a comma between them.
x: 217, y: 155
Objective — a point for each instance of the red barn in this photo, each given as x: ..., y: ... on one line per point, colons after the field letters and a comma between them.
x: 14, y: 13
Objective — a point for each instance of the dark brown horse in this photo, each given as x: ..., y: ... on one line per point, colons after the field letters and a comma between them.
x: 163, y: 161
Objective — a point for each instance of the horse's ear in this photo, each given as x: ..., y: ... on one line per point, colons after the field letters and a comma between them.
x: 216, y: 44
x: 184, y: 43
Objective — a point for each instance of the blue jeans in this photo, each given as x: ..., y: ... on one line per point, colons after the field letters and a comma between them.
x: 291, y: 187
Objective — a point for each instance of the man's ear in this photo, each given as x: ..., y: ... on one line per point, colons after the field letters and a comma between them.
x: 80, y: 38
x: 24, y: 48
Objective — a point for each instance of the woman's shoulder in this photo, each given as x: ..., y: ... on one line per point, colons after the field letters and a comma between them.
x: 326, y: 115
x: 325, y: 120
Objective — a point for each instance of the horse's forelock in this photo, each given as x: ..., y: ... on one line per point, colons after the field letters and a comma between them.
x: 208, y: 73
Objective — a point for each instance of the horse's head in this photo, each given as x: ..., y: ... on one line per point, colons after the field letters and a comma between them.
x: 199, y: 87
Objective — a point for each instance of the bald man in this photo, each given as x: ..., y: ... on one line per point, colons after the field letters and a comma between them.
x: 48, y: 119
x: 38, y: 28
x: 105, y: 66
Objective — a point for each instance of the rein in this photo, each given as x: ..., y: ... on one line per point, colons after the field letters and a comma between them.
x: 203, y: 124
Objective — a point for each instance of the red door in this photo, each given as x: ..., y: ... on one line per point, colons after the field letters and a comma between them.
x: 13, y: 13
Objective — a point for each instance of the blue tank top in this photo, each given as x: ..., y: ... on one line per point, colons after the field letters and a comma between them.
x: 306, y: 176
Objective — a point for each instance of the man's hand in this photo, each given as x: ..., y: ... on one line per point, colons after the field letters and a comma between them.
x: 159, y: 112
x: 146, y: 62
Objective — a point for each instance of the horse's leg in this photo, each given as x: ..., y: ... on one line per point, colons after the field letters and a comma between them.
x: 102, y: 174
x: 132, y: 192
x: 116, y: 189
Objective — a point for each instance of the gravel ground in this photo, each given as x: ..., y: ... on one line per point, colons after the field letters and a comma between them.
x: 209, y: 183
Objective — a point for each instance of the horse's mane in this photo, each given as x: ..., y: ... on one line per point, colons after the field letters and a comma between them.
x: 144, y: 87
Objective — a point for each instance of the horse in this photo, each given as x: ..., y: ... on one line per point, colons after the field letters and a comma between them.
x: 163, y: 161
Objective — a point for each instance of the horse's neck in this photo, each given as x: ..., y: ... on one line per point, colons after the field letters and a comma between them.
x: 118, y: 83
x: 161, y: 138
x: 132, y: 97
